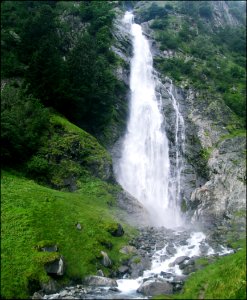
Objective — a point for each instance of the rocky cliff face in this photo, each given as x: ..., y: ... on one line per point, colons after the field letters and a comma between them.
x: 213, y: 175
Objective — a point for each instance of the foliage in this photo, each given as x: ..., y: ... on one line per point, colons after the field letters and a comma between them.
x: 67, y: 156
x: 29, y: 222
x: 152, y: 12
x: 205, y: 11
x: 23, y: 120
x: 45, y: 47
x: 207, y: 58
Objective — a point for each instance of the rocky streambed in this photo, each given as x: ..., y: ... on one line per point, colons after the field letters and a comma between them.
x: 160, y: 261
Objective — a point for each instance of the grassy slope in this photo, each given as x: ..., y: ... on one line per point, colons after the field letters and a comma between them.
x: 224, y: 279
x: 68, y: 152
x: 34, y: 215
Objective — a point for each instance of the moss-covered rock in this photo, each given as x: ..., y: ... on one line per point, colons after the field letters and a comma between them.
x: 68, y: 156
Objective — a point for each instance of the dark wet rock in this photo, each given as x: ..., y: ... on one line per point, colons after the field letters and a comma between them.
x: 166, y: 274
x: 170, y: 249
x: 50, y: 287
x: 55, y: 267
x: 114, y: 289
x: 204, y: 249
x: 191, y: 261
x: 100, y: 281
x: 123, y: 270
x: 52, y: 248
x: 179, y: 260
x: 163, y: 257
x: 138, y: 264
x: 106, y: 243
x: 117, y: 231
x: 155, y: 287
x: 187, y: 269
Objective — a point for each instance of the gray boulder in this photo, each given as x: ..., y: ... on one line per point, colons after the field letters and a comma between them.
x: 123, y: 270
x: 170, y: 249
x: 179, y: 260
x: 78, y: 226
x: 106, y: 260
x: 100, y: 281
x: 128, y: 250
x: 55, y: 267
x: 49, y: 287
x: 155, y: 287
x: 37, y: 295
x: 100, y: 273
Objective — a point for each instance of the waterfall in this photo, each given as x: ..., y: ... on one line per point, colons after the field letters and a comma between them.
x: 175, y: 186
x: 144, y: 167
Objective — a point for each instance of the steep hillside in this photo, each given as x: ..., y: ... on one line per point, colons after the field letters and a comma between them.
x: 34, y: 216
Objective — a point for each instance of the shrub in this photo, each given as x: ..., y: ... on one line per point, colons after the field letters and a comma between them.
x: 23, y: 121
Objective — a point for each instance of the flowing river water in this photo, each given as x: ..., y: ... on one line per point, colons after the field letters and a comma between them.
x: 144, y: 170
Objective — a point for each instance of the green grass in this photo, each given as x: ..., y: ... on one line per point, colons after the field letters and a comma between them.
x: 234, y: 133
x: 224, y: 279
x: 34, y: 215
x: 68, y: 153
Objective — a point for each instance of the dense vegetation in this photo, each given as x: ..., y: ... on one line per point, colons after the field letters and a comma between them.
x: 62, y: 50
x: 205, y: 55
x: 56, y: 61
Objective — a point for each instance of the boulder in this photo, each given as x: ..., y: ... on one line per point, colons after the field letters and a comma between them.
x: 187, y: 269
x: 163, y: 257
x: 117, y: 231
x: 170, y: 249
x: 128, y: 250
x: 37, y: 295
x: 100, y: 281
x: 106, y: 260
x: 179, y: 260
x: 138, y: 265
x: 123, y: 270
x: 155, y: 287
x: 100, y: 273
x: 50, y: 287
x: 52, y: 248
x: 78, y: 226
x: 55, y: 267
x: 166, y: 274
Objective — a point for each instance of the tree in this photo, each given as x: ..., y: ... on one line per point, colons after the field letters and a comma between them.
x: 23, y: 121
x: 205, y: 11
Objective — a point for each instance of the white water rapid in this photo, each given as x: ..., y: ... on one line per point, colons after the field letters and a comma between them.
x: 144, y: 167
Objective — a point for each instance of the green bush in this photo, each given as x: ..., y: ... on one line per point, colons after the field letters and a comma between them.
x: 23, y: 122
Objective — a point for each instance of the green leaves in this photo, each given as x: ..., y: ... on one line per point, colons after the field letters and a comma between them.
x: 23, y: 120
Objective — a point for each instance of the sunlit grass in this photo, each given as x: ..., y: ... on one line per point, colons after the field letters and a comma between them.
x: 33, y: 214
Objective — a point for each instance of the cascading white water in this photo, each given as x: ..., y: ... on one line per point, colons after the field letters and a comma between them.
x: 144, y: 167
x: 175, y: 186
